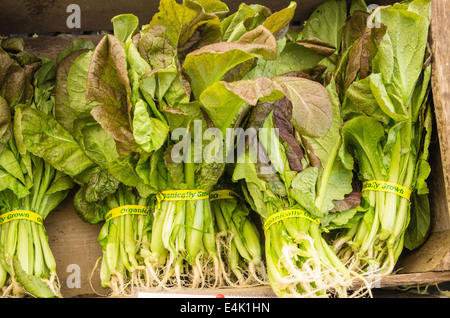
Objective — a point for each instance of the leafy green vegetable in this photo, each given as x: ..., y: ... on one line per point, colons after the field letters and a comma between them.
x: 29, y: 183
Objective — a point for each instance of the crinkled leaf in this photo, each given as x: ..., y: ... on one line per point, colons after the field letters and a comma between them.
x: 108, y: 85
x: 311, y: 112
x: 15, y: 85
x: 399, y: 59
x: 101, y: 184
x: 326, y: 23
x: 419, y: 223
x: 75, y: 45
x: 125, y: 26
x: 5, y: 123
x: 77, y: 78
x: 96, y: 143
x: 8, y: 181
x: 64, y: 113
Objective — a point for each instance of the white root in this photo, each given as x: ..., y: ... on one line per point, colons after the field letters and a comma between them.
x: 316, y: 278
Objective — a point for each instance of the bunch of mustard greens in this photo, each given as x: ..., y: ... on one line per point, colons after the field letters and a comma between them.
x: 31, y: 188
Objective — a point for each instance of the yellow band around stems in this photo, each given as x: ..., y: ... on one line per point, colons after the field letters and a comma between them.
x: 183, y: 195
x: 126, y: 209
x: 223, y: 194
x: 292, y: 213
x: 21, y: 215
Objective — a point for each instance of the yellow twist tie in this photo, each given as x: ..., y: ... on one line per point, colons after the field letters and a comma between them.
x: 126, y: 209
x: 386, y: 186
x: 292, y: 213
x: 21, y: 215
x: 180, y: 195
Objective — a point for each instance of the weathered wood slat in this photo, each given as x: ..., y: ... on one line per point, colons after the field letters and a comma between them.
x: 440, y: 82
x: 75, y: 242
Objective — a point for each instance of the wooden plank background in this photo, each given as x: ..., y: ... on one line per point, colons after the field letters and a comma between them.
x: 43, y: 16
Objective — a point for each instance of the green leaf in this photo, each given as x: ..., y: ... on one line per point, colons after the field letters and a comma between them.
x: 75, y: 45
x: 419, y: 223
x: 178, y: 22
x: 46, y: 138
x: 33, y: 284
x: 109, y: 86
x: 326, y: 22
x: 5, y: 123
x: 277, y: 21
x: 10, y: 163
x: 7, y: 181
x: 96, y: 143
x: 399, y: 60
x: 64, y: 111
x: 362, y: 137
x: 149, y: 132
x: 209, y: 64
x: 61, y: 182
x: 311, y: 112
x: 76, y: 90
x: 243, y: 20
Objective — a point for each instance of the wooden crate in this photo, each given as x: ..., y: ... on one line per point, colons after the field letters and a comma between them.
x: 74, y: 243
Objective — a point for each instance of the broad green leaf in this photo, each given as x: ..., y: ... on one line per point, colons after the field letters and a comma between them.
x: 360, y: 100
x: 8, y: 181
x: 335, y: 180
x: 149, y: 132
x: 209, y: 64
x: 390, y: 103
x: 214, y: 6
x: 75, y: 45
x: 239, y: 22
x: 33, y: 284
x: 406, y: 39
x: 362, y: 137
x: 292, y: 57
x: 125, y: 26
x: 326, y: 22
x: 64, y: 111
x: 46, y: 138
x: 10, y: 163
x: 178, y: 22
x: 61, y: 182
x: 5, y: 123
x: 97, y: 144
x: 279, y: 20
x: 76, y: 89
x: 419, y: 223
x: 136, y: 61
x: 109, y: 86
x: 311, y: 105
